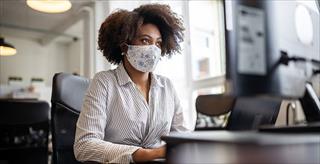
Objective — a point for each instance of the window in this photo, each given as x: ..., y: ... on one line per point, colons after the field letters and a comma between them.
x: 205, y: 35
x: 207, y: 50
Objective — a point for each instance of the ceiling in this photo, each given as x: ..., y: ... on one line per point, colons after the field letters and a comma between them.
x: 19, y: 20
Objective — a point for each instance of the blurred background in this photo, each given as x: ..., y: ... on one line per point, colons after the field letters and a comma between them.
x: 48, y: 43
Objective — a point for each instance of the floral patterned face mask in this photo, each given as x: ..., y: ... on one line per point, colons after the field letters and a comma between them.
x: 143, y: 58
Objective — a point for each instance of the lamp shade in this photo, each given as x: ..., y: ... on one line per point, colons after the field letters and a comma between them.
x: 50, y: 6
x: 6, y: 49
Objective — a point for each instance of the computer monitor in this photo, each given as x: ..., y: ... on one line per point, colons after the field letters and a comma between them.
x: 272, y: 47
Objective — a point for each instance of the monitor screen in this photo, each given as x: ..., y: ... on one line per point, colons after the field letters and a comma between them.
x: 258, y: 35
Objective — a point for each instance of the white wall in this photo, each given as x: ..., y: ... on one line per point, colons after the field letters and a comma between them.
x: 75, y: 52
x: 33, y: 60
x: 101, y: 11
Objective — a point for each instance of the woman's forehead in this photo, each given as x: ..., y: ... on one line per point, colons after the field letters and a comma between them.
x: 150, y: 30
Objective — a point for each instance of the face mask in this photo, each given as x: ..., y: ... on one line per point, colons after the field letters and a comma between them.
x: 144, y: 58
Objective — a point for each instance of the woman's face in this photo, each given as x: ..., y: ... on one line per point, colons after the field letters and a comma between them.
x: 148, y: 34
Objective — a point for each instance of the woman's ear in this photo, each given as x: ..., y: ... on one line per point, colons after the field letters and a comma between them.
x: 124, y: 47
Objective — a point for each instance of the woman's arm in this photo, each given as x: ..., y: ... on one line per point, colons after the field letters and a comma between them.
x: 142, y: 155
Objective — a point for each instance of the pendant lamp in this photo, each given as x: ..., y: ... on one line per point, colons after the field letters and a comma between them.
x: 50, y: 6
x: 6, y: 49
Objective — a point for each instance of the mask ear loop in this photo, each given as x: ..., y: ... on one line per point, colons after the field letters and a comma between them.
x: 162, y: 56
x: 122, y: 47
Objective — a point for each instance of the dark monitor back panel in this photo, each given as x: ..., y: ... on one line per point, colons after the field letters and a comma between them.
x: 310, y: 104
x: 260, y: 31
x: 251, y: 113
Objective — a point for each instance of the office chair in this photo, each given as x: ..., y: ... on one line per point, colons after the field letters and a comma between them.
x: 213, y: 105
x: 246, y: 113
x: 24, y: 129
x: 67, y: 95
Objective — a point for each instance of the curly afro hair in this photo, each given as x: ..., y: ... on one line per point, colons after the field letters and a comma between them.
x: 122, y: 25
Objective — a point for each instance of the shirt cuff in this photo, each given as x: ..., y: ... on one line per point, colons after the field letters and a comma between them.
x: 131, y: 153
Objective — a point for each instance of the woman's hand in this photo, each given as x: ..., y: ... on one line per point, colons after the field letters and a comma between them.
x: 142, y: 154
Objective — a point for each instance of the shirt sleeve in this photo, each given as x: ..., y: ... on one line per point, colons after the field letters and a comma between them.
x: 179, y: 121
x: 89, y: 144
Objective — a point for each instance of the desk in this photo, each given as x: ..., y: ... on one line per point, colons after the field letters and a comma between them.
x: 242, y: 147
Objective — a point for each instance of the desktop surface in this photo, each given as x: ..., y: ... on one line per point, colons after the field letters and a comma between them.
x: 242, y: 147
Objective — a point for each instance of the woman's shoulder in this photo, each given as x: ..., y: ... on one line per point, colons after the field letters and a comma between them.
x: 165, y: 81
x: 105, y: 76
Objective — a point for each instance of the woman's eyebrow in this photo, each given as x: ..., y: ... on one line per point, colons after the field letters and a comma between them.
x: 146, y: 35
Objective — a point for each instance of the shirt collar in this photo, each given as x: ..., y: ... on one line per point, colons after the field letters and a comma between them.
x: 124, y: 78
x: 122, y: 75
x: 155, y: 81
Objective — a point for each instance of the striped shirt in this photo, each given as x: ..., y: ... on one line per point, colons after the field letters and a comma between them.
x: 116, y: 120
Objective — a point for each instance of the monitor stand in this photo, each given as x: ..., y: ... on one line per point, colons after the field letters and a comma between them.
x: 311, y: 108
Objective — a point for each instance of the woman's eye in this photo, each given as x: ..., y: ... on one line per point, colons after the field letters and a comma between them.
x: 158, y: 44
x: 145, y: 41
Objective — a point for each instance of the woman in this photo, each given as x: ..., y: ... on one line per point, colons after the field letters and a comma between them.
x: 127, y: 110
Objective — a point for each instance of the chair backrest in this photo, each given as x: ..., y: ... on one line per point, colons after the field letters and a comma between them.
x: 24, y: 129
x: 246, y: 113
x: 208, y: 106
x: 250, y: 113
x: 214, y: 105
x: 67, y: 95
